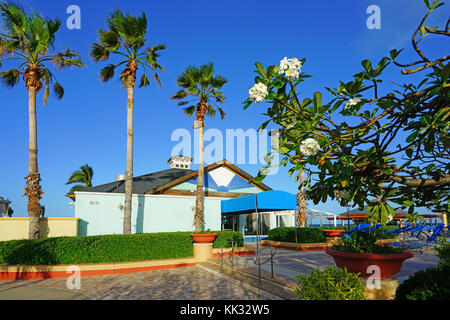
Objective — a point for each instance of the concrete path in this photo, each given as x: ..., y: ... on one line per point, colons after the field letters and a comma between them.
x: 26, y: 292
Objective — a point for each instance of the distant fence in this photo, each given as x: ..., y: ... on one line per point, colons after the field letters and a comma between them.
x: 17, y: 228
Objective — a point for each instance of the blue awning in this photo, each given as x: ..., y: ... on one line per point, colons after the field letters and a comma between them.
x: 263, y: 201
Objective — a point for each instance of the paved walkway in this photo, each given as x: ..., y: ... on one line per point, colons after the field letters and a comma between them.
x: 192, y: 283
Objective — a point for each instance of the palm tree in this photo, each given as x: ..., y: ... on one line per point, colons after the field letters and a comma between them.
x: 29, y: 39
x: 302, y: 202
x: 200, y: 88
x: 125, y: 37
x: 84, y: 176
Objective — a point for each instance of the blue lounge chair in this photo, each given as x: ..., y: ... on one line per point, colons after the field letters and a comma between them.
x: 363, y: 227
x: 415, y: 241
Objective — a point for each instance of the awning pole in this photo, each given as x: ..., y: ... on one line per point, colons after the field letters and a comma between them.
x: 257, y: 223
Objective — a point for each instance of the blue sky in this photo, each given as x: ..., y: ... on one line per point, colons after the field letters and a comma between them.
x: 88, y: 125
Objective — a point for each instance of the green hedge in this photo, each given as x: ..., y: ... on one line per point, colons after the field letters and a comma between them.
x: 429, y: 284
x: 315, y: 234
x: 105, y: 248
x: 304, y: 235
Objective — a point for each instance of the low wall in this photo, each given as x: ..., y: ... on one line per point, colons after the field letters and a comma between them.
x: 17, y: 228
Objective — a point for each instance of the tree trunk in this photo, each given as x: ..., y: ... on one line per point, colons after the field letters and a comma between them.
x: 302, y: 203
x: 129, y: 173
x: 198, y: 217
x: 33, y: 189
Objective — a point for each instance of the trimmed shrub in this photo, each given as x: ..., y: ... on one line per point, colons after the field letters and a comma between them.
x: 316, y: 235
x: 104, y: 248
x: 225, y: 238
x: 331, y: 284
x: 429, y: 284
x: 304, y: 235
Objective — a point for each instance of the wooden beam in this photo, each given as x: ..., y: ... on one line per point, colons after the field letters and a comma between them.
x: 224, y: 163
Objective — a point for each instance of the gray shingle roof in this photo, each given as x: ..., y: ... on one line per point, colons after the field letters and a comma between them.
x: 142, y: 184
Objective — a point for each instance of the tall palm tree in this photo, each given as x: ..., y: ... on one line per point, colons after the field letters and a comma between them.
x: 28, y: 39
x: 125, y: 37
x: 84, y: 176
x: 200, y: 88
x: 302, y: 202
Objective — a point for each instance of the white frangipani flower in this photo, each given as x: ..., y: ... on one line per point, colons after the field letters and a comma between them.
x: 390, y: 217
x: 352, y: 102
x: 309, y: 147
x: 258, y: 92
x: 290, y: 67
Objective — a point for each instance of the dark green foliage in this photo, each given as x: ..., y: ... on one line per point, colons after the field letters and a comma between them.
x: 430, y: 284
x: 105, y: 248
x: 331, y: 284
x: 304, y: 235
x: 225, y: 238
x: 364, y: 242
x: 443, y: 252
x: 313, y: 234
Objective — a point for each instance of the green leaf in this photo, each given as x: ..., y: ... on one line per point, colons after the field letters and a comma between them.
x: 317, y: 101
x: 367, y: 65
x: 261, y: 69
x: 412, y: 136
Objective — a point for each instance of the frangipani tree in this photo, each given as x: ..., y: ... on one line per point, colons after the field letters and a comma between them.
x: 125, y: 38
x: 380, y: 146
x: 28, y: 41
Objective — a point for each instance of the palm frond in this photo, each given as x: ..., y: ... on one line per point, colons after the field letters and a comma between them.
x: 58, y: 90
x: 99, y: 53
x: 109, y: 40
x: 189, y: 111
x: 66, y: 59
x: 14, y: 18
x: 77, y: 187
x: 107, y: 72
x: 153, y: 55
x: 156, y: 78
x: 144, y: 81
x: 181, y: 94
x: 222, y: 113
x: 10, y: 77
x: 211, y: 111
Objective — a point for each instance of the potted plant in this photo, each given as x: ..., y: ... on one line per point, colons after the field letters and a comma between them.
x: 203, y: 236
x: 360, y: 251
x: 333, y: 233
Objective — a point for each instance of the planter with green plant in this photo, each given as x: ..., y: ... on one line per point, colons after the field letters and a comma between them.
x: 203, y: 236
x: 359, y: 252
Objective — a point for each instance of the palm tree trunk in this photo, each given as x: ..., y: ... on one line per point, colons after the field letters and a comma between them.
x: 198, y: 217
x: 33, y: 188
x: 129, y: 172
x: 301, y: 203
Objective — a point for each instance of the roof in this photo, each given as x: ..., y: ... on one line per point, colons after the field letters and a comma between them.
x: 158, y: 182
x: 143, y: 183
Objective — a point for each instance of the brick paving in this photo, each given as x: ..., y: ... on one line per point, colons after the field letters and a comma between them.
x: 191, y: 283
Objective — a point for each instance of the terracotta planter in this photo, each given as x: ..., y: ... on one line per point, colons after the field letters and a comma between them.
x: 389, y: 264
x: 203, y: 237
x: 333, y: 233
